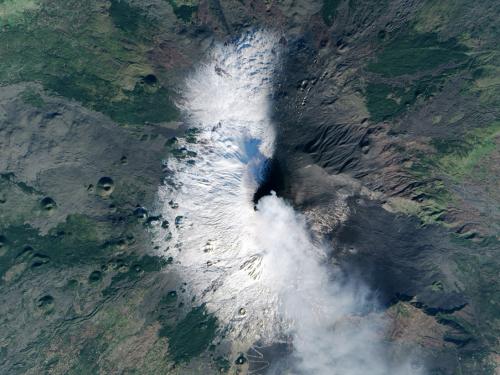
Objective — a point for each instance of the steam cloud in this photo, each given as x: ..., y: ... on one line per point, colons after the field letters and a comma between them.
x: 262, y: 262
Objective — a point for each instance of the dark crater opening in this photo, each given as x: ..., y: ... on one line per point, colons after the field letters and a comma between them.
x: 150, y: 79
x: 273, y: 180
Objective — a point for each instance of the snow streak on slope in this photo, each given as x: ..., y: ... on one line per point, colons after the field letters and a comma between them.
x: 258, y: 269
x: 227, y: 101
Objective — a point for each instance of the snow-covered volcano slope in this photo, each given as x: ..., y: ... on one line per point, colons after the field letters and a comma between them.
x: 257, y: 268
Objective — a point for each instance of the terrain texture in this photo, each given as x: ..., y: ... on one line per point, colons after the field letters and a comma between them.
x: 389, y: 109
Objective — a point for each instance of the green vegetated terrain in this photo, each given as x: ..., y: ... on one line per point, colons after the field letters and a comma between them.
x: 417, y: 66
x: 420, y: 62
x: 452, y: 151
x: 328, y: 10
x: 184, y: 10
x: 464, y: 157
x: 89, y: 51
x: 84, y: 287
x: 192, y: 335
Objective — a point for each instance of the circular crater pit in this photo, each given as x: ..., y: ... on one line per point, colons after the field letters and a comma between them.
x: 48, y: 204
x: 105, y: 186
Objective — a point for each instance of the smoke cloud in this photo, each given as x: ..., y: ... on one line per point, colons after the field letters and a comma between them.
x: 334, y: 324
